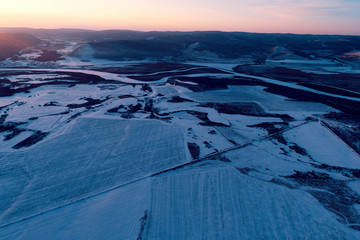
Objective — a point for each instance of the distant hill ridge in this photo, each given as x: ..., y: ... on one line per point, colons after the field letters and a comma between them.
x: 12, y: 43
x: 179, y: 46
x: 183, y: 46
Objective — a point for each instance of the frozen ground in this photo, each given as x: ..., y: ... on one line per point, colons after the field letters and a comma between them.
x: 271, y: 102
x: 96, y: 154
x: 90, y: 157
x: 223, y: 203
x: 207, y: 201
x: 113, y: 215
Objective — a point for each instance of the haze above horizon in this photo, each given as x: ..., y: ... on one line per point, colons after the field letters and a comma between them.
x: 280, y: 16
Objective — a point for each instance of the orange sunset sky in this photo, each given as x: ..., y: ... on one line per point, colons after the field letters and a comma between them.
x: 302, y: 16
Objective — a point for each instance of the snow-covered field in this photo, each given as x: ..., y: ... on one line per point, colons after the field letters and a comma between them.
x: 271, y: 102
x: 92, y: 156
x: 207, y: 201
x: 223, y: 203
x: 112, y: 215
x: 119, y: 158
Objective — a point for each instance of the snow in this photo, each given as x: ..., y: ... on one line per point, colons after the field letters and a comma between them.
x: 34, y: 78
x: 113, y: 215
x: 217, y: 202
x: 323, y: 145
x: 26, y: 111
x: 166, y: 89
x: 118, y: 77
x: 271, y: 102
x: 5, y: 102
x: 105, y: 75
x: 319, y: 66
x: 212, y: 114
x: 7, y: 145
x: 90, y: 157
x: 186, y: 82
x: 96, y: 175
x: 199, y: 134
x: 85, y: 52
x: 69, y: 47
x: 206, y: 201
x: 295, y: 86
x: 30, y: 53
x: 46, y: 123
x: 277, y: 159
x: 88, y: 61
x: 239, y: 130
x: 265, y: 157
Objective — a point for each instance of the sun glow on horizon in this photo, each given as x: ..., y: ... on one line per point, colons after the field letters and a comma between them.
x: 303, y: 16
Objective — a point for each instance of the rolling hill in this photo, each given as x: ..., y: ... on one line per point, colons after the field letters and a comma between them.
x: 12, y: 43
x: 182, y: 46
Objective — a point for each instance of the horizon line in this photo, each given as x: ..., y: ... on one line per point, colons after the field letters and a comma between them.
x: 179, y: 31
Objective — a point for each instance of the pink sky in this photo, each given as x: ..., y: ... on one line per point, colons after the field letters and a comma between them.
x: 302, y: 16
